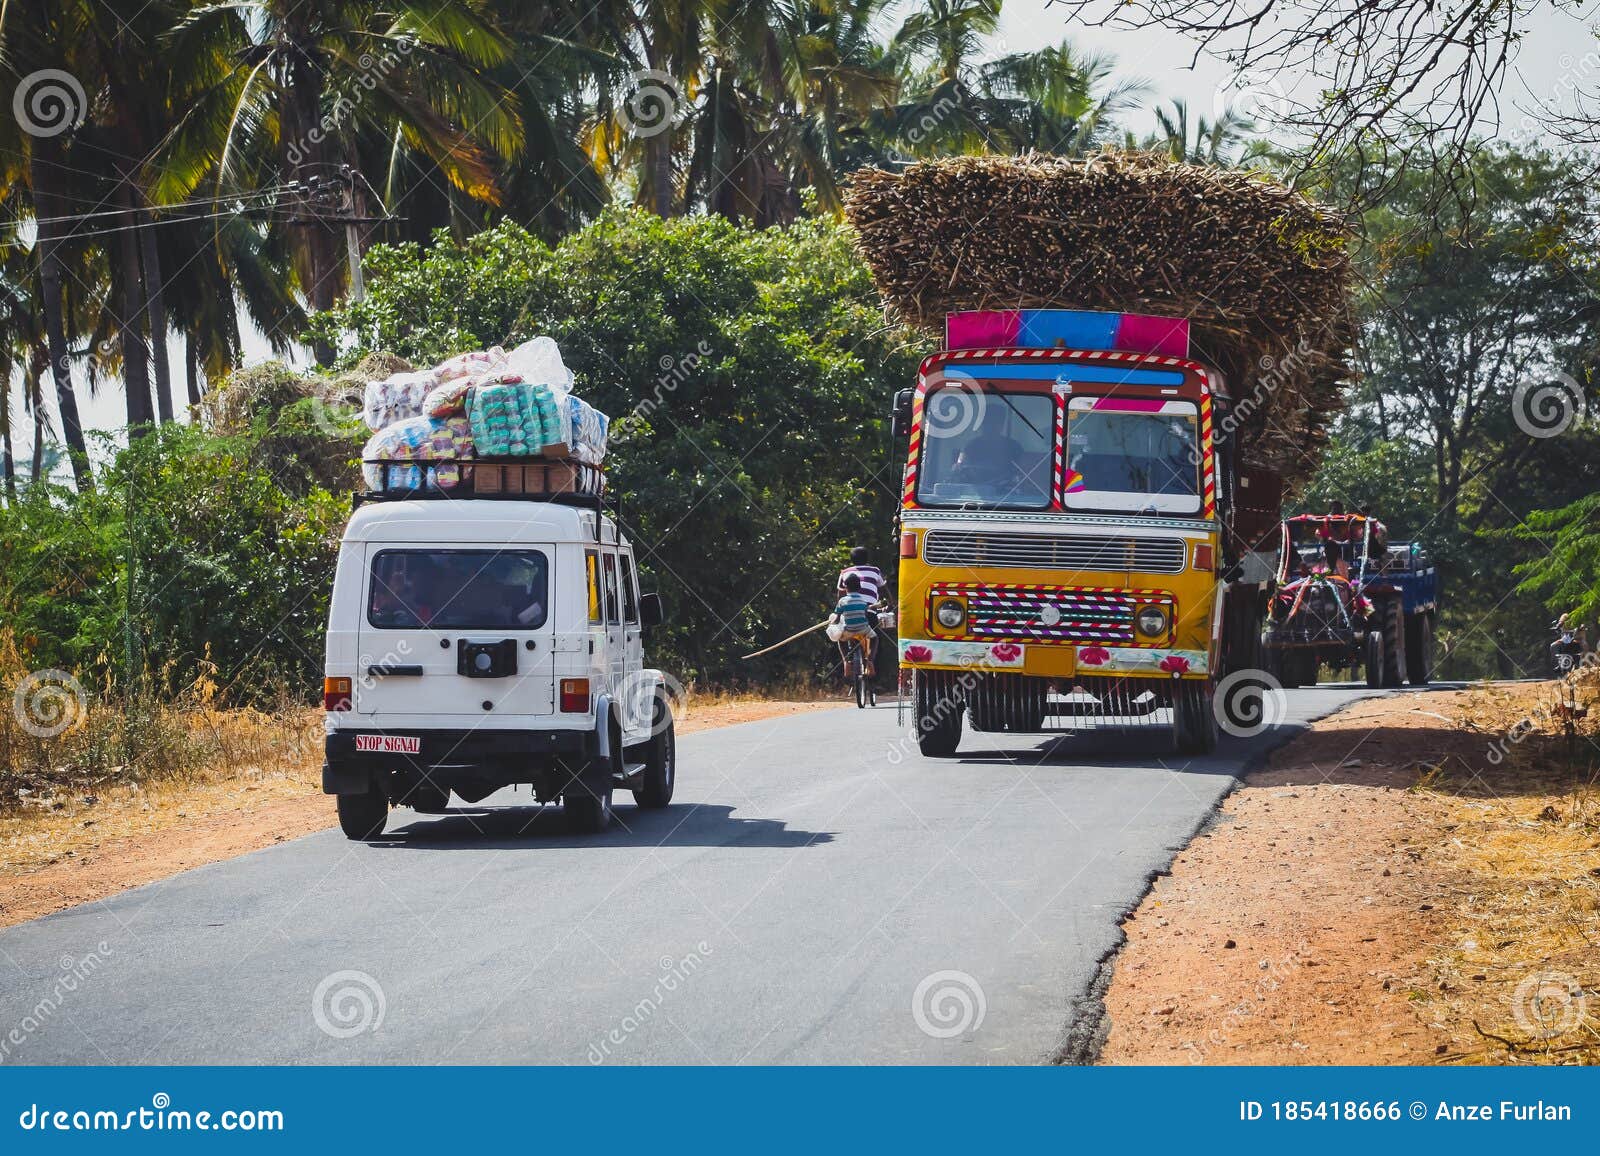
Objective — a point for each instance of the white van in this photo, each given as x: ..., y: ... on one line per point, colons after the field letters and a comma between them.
x: 474, y: 644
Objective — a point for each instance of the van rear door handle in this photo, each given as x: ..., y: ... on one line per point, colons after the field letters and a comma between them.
x: 380, y: 670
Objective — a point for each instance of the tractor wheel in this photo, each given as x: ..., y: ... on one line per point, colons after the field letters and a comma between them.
x: 1419, y: 648
x: 1374, y: 660
x: 1392, y: 621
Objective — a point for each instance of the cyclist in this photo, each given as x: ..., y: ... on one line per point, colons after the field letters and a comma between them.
x: 861, y: 566
x: 854, y: 612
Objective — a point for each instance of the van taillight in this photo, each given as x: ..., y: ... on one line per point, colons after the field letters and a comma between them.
x: 908, y: 544
x: 575, y: 695
x: 336, y: 694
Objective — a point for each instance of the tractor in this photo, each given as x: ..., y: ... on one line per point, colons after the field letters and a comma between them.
x: 1347, y: 597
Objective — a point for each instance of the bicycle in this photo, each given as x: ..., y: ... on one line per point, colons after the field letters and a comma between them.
x: 855, y: 672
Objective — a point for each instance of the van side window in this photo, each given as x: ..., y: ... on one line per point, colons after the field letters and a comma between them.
x: 613, y: 606
x: 591, y: 561
x: 630, y: 592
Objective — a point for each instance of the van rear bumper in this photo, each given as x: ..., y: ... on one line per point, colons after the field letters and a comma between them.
x: 487, y: 755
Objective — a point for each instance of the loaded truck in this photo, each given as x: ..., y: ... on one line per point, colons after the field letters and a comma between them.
x: 1076, y: 535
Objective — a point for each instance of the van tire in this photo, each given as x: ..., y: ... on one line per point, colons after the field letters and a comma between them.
x: 363, y: 816
x: 587, y: 814
x: 660, y: 764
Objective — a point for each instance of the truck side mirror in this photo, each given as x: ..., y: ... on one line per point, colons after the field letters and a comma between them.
x: 650, y: 612
x: 900, y: 419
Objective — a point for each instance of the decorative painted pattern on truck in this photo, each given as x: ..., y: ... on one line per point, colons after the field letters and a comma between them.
x: 1044, y: 613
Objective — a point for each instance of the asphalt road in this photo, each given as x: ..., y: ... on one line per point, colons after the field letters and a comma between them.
x: 818, y: 892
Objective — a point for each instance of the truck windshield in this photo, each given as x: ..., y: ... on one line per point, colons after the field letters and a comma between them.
x: 470, y: 589
x: 984, y: 447
x: 1133, y: 455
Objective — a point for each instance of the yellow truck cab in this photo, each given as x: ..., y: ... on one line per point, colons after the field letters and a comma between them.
x: 1066, y: 554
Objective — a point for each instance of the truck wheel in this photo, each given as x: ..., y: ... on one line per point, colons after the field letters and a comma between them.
x: 363, y: 816
x: 1419, y: 648
x: 1374, y: 660
x: 660, y: 762
x: 938, y: 711
x: 587, y: 814
x: 1194, y: 725
x: 1392, y: 618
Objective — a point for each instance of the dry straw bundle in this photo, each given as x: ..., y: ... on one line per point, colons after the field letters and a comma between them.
x: 1261, y: 271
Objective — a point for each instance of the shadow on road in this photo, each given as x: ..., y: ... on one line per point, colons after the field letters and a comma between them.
x: 469, y: 827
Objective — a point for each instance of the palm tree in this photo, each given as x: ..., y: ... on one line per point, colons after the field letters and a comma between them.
x: 280, y: 93
x: 1218, y: 142
x: 1058, y: 100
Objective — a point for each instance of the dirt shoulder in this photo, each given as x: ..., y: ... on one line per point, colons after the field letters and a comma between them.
x: 77, y: 848
x: 1402, y: 884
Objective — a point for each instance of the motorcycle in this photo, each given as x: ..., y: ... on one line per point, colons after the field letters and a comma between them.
x: 1565, y: 652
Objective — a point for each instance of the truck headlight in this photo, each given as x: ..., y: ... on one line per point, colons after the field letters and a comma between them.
x: 1152, y: 621
x: 950, y: 613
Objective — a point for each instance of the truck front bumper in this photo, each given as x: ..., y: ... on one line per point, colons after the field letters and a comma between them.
x: 1051, y: 661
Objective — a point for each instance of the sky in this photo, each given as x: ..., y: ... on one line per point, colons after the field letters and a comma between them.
x: 1557, y: 52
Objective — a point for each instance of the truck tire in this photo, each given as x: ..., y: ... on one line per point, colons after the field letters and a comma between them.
x: 1194, y: 724
x: 1392, y: 619
x: 1374, y: 659
x: 660, y: 762
x: 587, y: 814
x: 1419, y: 648
x: 363, y: 816
x: 938, y: 713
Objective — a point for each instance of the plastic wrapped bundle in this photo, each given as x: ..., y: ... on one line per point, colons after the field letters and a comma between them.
x: 589, y: 431
x: 538, y: 362
x: 395, y: 399
x: 420, y: 439
x: 478, y: 363
x: 448, y: 399
x: 493, y: 416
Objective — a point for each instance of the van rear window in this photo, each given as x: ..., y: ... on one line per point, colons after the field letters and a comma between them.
x: 465, y: 589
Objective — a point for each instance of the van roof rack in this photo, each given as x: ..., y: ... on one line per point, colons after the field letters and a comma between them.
x: 601, y: 504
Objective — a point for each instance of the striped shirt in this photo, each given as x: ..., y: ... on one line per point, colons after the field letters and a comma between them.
x: 852, y: 612
x: 871, y: 580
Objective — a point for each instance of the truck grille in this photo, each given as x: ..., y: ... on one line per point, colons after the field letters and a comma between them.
x: 1050, y: 613
x: 1055, y: 551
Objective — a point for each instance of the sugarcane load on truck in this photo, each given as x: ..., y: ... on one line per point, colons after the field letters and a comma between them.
x: 1138, y: 360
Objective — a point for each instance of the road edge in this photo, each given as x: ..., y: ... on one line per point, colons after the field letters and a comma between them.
x: 1089, y: 1023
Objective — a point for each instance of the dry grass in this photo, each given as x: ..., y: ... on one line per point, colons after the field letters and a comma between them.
x: 1517, y: 979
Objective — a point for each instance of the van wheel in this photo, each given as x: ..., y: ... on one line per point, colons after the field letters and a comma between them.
x: 660, y: 763
x: 363, y: 816
x: 587, y: 814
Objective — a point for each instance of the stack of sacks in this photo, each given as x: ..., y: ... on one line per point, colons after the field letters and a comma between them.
x: 396, y: 398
